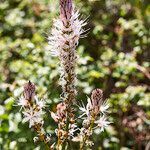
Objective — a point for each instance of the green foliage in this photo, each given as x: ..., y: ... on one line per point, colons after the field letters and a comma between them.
x: 118, y: 43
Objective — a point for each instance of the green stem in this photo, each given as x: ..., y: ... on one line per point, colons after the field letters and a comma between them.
x: 38, y: 129
x: 85, y: 138
x: 67, y: 127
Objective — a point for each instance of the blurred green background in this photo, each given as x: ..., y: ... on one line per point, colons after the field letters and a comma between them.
x: 115, y: 57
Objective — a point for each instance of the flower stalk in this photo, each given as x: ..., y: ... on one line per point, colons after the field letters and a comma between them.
x: 92, y: 112
x: 33, y: 113
x: 63, y: 40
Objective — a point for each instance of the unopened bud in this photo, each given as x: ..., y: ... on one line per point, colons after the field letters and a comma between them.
x: 61, y: 110
x: 60, y: 113
x: 29, y: 91
x: 96, y: 99
x: 65, y: 10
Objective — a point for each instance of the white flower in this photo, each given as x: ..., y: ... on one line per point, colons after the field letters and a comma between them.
x: 85, y: 109
x: 102, y: 123
x: 104, y: 107
x: 72, y: 130
x: 48, y: 138
x: 54, y: 116
x: 33, y: 116
x: 94, y: 104
x: 22, y: 102
x: 35, y: 139
x: 40, y: 103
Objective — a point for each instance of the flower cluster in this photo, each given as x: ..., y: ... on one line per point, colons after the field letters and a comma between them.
x: 94, y: 116
x: 63, y: 40
x: 66, y: 30
x: 32, y: 106
x: 33, y: 111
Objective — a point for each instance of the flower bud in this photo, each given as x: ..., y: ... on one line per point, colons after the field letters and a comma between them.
x: 96, y: 99
x: 29, y: 91
x: 60, y: 113
x: 65, y: 10
x: 61, y: 108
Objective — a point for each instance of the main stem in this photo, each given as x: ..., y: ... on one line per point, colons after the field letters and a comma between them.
x: 67, y: 61
x: 69, y: 91
x: 68, y: 77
